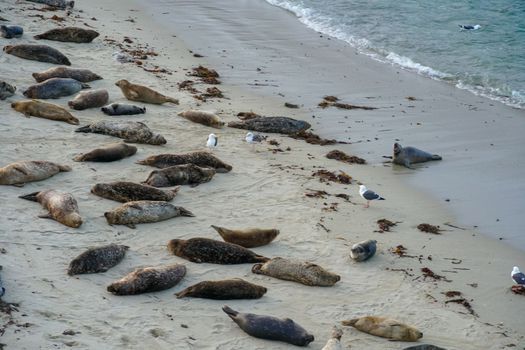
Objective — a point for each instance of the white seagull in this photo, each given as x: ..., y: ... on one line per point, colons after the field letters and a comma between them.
x: 517, y: 276
x: 252, y: 138
x: 369, y: 195
x: 212, y: 141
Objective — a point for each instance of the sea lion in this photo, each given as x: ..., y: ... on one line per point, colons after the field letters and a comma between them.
x: 424, y: 347
x: 140, y: 93
x: 139, y: 212
x: 199, y: 158
x: 384, y: 327
x: 148, y: 279
x: 62, y: 206
x: 130, y: 192
x: 223, y: 290
x: 302, y: 272
x: 61, y: 4
x: 42, y: 53
x: 55, y: 88
x: 204, y: 250
x: 6, y: 90
x: 99, y: 259
x: 407, y: 156
x: 363, y: 250
x: 280, y: 125
x: 10, y: 32
x: 248, y: 238
x: 89, y: 99
x: 334, y: 343
x: 122, y: 109
x: 28, y: 171
x: 44, y: 110
x: 271, y: 328
x: 82, y: 75
x: 133, y: 132
x: 108, y: 153
x: 69, y: 34
x: 203, y: 117
x: 186, y: 174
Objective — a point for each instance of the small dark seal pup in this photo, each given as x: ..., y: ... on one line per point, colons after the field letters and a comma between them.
x: 130, y: 192
x: 248, y: 238
x: 204, y: 250
x: 280, y: 125
x: 363, y: 250
x: 98, y: 259
x: 186, y: 174
x: 199, y: 158
x: 55, y: 88
x: 42, y: 53
x: 108, y: 153
x: 148, y: 279
x: 82, y: 75
x: 6, y: 90
x: 132, y: 132
x: 223, y: 290
x: 62, y: 206
x: 139, y: 212
x: 407, y: 156
x: 271, y: 328
x: 384, y: 327
x: 69, y: 34
x: 122, y: 109
x: 10, y: 32
x: 28, y: 171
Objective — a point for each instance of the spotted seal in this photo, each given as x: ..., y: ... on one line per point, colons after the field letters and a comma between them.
x: 99, y: 259
x: 223, y: 290
x: 69, y: 34
x: 130, y: 192
x: 280, y: 125
x: 140, y: 93
x: 248, y: 238
x: 55, y: 88
x: 44, y: 110
x: 6, y: 90
x: 82, y: 75
x: 384, y: 327
x: 148, y: 279
x: 62, y: 206
x: 89, y: 99
x: 22, y: 172
x: 42, y: 53
x: 108, y: 153
x: 199, y: 158
x: 186, y: 174
x: 363, y: 250
x: 203, y: 117
x: 132, y: 132
x: 407, y: 156
x: 10, y: 32
x: 139, y: 212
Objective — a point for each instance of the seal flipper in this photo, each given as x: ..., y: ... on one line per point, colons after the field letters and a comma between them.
x: 436, y: 157
x: 350, y: 322
x: 86, y: 128
x: 45, y: 216
x: 132, y: 226
x: 30, y: 196
x: 185, y: 212
x: 22, y: 170
x: 85, y: 86
x: 230, y: 312
x: 257, y: 269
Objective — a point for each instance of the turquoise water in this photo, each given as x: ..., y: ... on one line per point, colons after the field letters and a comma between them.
x: 424, y: 36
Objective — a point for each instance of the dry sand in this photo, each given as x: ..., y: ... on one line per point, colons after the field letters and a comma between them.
x: 265, y: 189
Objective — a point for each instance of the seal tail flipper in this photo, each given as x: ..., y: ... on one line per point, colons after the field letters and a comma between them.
x: 64, y: 168
x: 30, y: 196
x: 436, y: 157
x: 350, y: 322
x: 175, y: 190
x: 230, y: 312
x: 172, y: 100
x: 182, y: 293
x: 85, y: 86
x: 86, y: 128
x: 260, y: 258
x: 185, y: 212
x: 78, y: 158
x: 257, y: 269
x: 142, y: 162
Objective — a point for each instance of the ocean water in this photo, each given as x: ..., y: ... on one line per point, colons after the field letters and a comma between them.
x: 425, y: 36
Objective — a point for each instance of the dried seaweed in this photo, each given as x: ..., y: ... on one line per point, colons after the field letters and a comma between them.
x: 317, y: 194
x: 314, y: 139
x: 331, y: 98
x: 465, y: 303
x: 213, y: 92
x: 429, y: 228
x: 385, y: 224
x: 331, y: 101
x: 430, y: 274
x: 399, y: 251
x: 343, y: 157
x: 452, y: 293
x: 518, y: 289
x: 325, y: 176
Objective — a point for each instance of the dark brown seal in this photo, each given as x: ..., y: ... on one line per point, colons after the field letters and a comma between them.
x: 407, y: 156
x: 89, y: 99
x: 44, y: 110
x: 108, y: 153
x: 187, y: 174
x: 204, y: 250
x: 62, y: 206
x: 280, y: 125
x: 223, y: 290
x: 99, y: 259
x: 42, y: 53
x: 82, y: 75
x: 199, y: 158
x: 129, y: 192
x: 69, y: 34
x: 148, y: 279
x: 28, y: 171
x: 248, y: 238
x: 132, y: 132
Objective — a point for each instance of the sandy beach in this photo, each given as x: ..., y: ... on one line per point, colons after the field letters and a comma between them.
x: 266, y: 188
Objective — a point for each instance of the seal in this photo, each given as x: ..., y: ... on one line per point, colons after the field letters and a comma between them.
x: 223, y: 290
x: 424, y: 347
x: 61, y: 4
x: 130, y: 192
x: 186, y: 174
x: 407, y: 156
x: 148, y: 279
x: 6, y: 90
x: 302, y: 272
x: 69, y: 34
x: 280, y: 125
x: 203, y: 117
x: 99, y: 259
x: 82, y: 75
x: 10, y: 32
x: 44, y: 110
x: 122, y: 109
x: 248, y: 238
x: 199, y: 158
x: 139, y: 212
x: 132, y: 132
x: 271, y: 328
x: 55, y: 88
x: 108, y: 153
x: 363, y: 250
x: 334, y: 343
x: 384, y: 327
x: 89, y: 99
x: 140, y: 93
x: 42, y: 53
x: 62, y: 206
x: 20, y: 173
x: 204, y: 250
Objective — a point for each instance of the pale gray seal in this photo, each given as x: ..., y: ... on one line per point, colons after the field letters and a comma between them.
x: 148, y: 279
x: 122, y: 109
x: 223, y: 290
x: 62, y: 206
x: 28, y: 171
x: 138, y: 212
x: 108, y: 153
x: 82, y: 75
x: 42, y: 53
x: 132, y: 132
x: 363, y: 250
x: 10, y: 32
x: 99, y: 259
x: 55, y: 88
x: 69, y: 34
x: 6, y: 90
x: 186, y: 174
x: 407, y: 156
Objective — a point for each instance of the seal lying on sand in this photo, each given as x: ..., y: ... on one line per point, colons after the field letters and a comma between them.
x: 55, y: 88
x: 61, y: 4
x: 424, y: 347
x: 302, y: 272
x: 148, y: 279
x: 363, y: 250
x: 280, y: 125
x: 99, y: 259
x: 28, y: 171
x: 407, y: 156
x: 204, y: 250
x: 69, y: 34
x: 133, y: 132
x: 139, y: 212
x: 89, y: 99
x: 186, y: 174
x: 223, y: 290
x: 135, y: 92
x: 109, y: 153
x: 199, y: 158
x: 271, y: 328
x: 122, y: 109
x: 129, y: 192
x: 384, y: 327
x: 42, y: 53
x: 203, y: 117
x: 62, y: 206
x: 82, y: 75
x: 334, y: 343
x: 10, y: 32
x: 44, y: 110
x: 248, y: 238
x: 6, y: 90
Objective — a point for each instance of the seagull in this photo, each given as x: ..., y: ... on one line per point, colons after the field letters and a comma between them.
x: 252, y: 138
x: 212, y: 141
x: 469, y: 27
x: 2, y: 289
x: 369, y: 195
x: 517, y: 276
